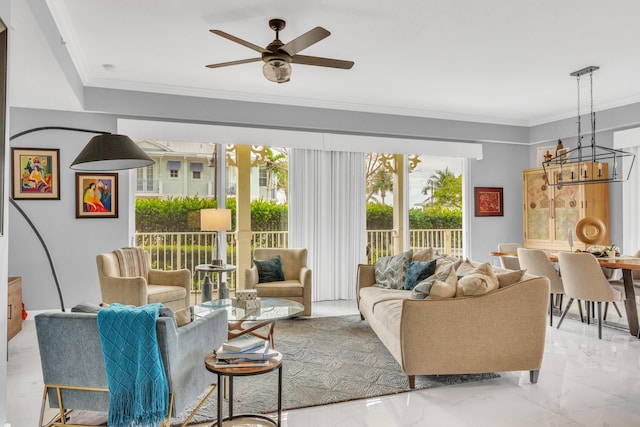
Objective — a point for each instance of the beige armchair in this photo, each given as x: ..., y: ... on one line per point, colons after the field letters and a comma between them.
x: 297, y: 277
x: 584, y: 280
x: 537, y: 263
x: 142, y: 285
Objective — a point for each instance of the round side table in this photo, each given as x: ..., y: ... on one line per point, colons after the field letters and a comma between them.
x: 223, y: 291
x: 230, y: 373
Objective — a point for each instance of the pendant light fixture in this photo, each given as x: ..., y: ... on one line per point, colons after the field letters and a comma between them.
x: 593, y: 164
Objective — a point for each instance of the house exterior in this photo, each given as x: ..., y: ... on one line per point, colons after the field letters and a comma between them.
x: 184, y: 169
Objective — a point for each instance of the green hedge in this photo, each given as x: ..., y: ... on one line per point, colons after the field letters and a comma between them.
x: 177, y: 214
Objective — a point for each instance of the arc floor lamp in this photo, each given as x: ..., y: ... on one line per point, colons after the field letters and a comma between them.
x: 104, y: 152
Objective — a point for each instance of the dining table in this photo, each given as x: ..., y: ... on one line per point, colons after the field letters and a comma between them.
x: 625, y: 263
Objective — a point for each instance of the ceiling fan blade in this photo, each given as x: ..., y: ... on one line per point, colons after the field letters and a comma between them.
x: 240, y: 61
x: 322, y: 62
x: 304, y: 41
x: 240, y: 41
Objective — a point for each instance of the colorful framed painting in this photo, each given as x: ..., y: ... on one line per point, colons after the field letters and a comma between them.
x: 35, y: 173
x: 96, y: 195
x: 489, y: 201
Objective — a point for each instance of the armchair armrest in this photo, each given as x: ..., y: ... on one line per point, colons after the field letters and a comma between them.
x: 124, y: 290
x: 305, y: 278
x: 184, y: 350
x: 171, y: 278
x: 250, y: 277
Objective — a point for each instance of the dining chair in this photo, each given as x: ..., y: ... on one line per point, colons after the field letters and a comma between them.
x: 584, y: 280
x: 537, y: 263
x: 509, y: 262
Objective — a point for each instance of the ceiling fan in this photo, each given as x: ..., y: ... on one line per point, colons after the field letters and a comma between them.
x: 278, y: 56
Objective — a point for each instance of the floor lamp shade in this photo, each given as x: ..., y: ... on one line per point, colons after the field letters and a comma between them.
x: 215, y: 220
x: 109, y: 152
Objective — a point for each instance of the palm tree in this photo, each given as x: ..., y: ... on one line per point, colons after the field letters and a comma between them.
x: 444, y: 189
x: 382, y: 182
x: 277, y: 168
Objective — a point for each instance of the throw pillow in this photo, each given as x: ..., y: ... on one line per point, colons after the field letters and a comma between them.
x: 444, y: 288
x: 85, y: 307
x: 465, y: 267
x: 390, y: 271
x: 423, y: 289
x: 479, y: 281
x: 183, y: 317
x: 444, y: 261
x: 423, y: 255
x: 506, y: 279
x: 418, y: 271
x: 269, y: 270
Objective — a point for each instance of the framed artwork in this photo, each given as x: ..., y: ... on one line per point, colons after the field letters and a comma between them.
x: 35, y: 173
x: 96, y: 195
x: 489, y: 201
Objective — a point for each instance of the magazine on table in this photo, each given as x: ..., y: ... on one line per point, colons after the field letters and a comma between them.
x: 264, y: 352
x: 243, y: 343
x: 240, y: 363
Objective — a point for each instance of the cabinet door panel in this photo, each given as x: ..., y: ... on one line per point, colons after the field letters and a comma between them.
x: 537, y: 207
x: 567, y: 202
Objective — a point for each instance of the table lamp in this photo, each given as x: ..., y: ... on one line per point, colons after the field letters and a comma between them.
x: 215, y: 220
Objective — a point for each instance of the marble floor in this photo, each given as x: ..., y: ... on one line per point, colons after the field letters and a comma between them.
x: 584, y: 381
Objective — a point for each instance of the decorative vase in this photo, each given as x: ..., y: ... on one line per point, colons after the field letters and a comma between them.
x: 611, y: 254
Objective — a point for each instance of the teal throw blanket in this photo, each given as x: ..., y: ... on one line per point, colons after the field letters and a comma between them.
x: 138, y: 387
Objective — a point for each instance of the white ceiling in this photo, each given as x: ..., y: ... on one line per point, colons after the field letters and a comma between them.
x: 501, y: 61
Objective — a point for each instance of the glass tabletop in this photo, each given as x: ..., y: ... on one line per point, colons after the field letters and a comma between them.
x: 270, y: 309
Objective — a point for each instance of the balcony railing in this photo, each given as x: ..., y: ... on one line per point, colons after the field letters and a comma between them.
x: 171, y: 251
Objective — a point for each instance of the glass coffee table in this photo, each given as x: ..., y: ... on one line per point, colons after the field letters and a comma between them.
x: 244, y: 321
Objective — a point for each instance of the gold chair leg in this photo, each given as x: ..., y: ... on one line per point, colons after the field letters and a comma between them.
x: 197, y: 408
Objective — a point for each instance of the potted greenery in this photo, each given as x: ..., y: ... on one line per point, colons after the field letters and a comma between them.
x: 612, y: 251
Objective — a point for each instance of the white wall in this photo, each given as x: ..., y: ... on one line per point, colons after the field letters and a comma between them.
x: 5, y: 10
x: 72, y: 242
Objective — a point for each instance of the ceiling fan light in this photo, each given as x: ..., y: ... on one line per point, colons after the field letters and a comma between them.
x: 277, y: 70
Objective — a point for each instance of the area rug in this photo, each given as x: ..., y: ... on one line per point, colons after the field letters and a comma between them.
x: 325, y: 360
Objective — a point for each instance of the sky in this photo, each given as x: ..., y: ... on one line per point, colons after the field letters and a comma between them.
x: 427, y: 167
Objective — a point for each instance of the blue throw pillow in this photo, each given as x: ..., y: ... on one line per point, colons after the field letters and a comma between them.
x: 417, y: 271
x: 269, y: 270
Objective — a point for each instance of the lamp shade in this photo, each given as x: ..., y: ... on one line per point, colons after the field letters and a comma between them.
x: 215, y: 219
x: 109, y: 152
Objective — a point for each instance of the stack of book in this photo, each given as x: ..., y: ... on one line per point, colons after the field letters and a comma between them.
x: 244, y: 351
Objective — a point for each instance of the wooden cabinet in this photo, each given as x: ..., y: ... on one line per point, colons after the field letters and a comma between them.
x: 549, y: 211
x: 14, y: 309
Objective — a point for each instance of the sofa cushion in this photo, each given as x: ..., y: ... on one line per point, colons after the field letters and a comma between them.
x: 444, y: 288
x: 479, y: 281
x: 418, y: 271
x: 425, y: 254
x: 423, y: 289
x: 506, y: 279
x: 284, y: 288
x: 269, y: 270
x: 391, y: 271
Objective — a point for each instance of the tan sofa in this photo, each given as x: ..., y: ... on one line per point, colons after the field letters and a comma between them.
x: 503, y: 330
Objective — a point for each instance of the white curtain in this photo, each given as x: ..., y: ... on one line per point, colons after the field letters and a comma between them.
x: 631, y: 207
x: 327, y: 216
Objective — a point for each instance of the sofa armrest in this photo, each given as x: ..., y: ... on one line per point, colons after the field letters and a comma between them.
x: 124, y: 290
x: 503, y: 330
x: 250, y: 277
x: 365, y: 278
